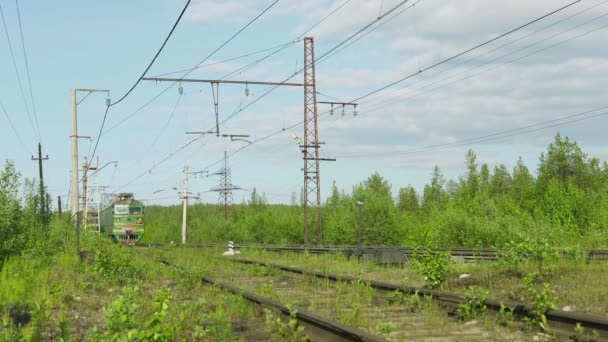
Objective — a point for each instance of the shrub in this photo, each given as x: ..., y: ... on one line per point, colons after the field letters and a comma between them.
x: 435, y: 268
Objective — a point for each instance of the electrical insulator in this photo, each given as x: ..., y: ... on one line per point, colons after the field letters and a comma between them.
x: 331, y: 111
x: 180, y: 89
x: 355, y: 111
x: 108, y: 102
x: 246, y: 91
x: 342, y: 110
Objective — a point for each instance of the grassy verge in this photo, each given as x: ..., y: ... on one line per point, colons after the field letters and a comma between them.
x: 114, y: 294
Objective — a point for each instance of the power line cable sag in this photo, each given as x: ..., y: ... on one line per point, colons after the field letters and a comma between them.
x: 199, y: 64
x: 13, y: 127
x: 317, y: 61
x: 501, y: 134
x: 375, y: 91
x: 324, y: 56
x: 467, y: 51
x: 34, y: 127
x: 383, y: 104
x: 105, y: 115
x: 435, y: 65
x: 27, y: 68
x: 281, y: 48
x: 493, y: 50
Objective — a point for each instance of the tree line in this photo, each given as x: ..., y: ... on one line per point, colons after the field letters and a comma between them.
x: 565, y: 203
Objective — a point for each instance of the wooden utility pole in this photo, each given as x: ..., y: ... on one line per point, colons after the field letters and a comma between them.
x: 42, y: 201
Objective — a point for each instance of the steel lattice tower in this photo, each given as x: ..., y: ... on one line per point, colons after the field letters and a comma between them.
x: 225, y: 188
x: 313, y: 227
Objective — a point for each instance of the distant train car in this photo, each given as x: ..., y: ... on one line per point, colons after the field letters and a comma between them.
x: 123, y: 219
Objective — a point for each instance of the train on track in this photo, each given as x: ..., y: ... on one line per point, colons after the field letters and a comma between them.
x: 123, y: 219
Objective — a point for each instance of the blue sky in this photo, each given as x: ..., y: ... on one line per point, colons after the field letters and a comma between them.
x: 108, y: 44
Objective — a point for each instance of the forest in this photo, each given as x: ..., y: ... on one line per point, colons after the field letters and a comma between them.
x: 564, y: 202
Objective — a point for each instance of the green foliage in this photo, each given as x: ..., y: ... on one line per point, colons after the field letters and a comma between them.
x: 536, y: 252
x: 285, y: 331
x: 435, y: 268
x: 474, y: 304
x: 412, y: 302
x: 116, y: 262
x: 490, y: 207
x: 505, y: 316
x: 542, y: 297
x: 580, y: 335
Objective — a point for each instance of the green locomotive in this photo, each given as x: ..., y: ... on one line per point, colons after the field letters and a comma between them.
x: 123, y: 219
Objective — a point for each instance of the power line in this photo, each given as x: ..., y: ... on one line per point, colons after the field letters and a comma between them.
x: 167, y: 122
x: 160, y: 162
x: 27, y: 67
x: 495, y: 49
x: 155, y: 56
x: 324, y: 18
x: 299, y: 123
x: 13, y: 128
x: 318, y: 59
x: 394, y: 101
x: 466, y: 51
x: 196, y: 66
x: 249, y: 54
x: 109, y: 104
x: 35, y: 128
x: 332, y: 53
x: 497, y: 135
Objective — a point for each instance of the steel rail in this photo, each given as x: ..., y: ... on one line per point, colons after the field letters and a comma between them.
x: 564, y: 322
x: 321, y: 327
x: 402, y: 253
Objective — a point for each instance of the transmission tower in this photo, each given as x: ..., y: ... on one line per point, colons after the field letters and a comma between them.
x: 313, y: 227
x: 225, y: 188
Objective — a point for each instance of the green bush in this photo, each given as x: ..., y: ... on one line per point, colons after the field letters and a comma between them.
x: 435, y: 268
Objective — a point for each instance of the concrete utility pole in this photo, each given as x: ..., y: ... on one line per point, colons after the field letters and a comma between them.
x: 59, y: 204
x: 42, y: 200
x: 185, y: 196
x: 74, y: 138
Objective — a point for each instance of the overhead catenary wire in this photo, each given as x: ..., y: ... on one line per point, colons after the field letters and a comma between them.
x: 27, y: 67
x: 394, y: 8
x: 400, y: 99
x: 35, y: 127
x: 580, y: 116
x: 10, y: 122
x: 333, y: 49
x: 110, y: 104
x: 467, y: 51
x: 155, y: 56
x: 249, y: 54
x: 200, y: 63
x: 493, y: 50
x: 197, y: 65
x: 384, y: 87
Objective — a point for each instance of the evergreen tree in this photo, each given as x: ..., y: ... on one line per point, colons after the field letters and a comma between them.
x: 501, y: 180
x: 408, y: 199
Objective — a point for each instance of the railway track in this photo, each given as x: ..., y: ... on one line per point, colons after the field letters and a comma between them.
x: 339, y: 305
x: 561, y: 322
x: 391, y: 255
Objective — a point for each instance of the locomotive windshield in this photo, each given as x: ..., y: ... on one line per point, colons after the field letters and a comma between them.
x: 135, y: 210
x: 121, y: 209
